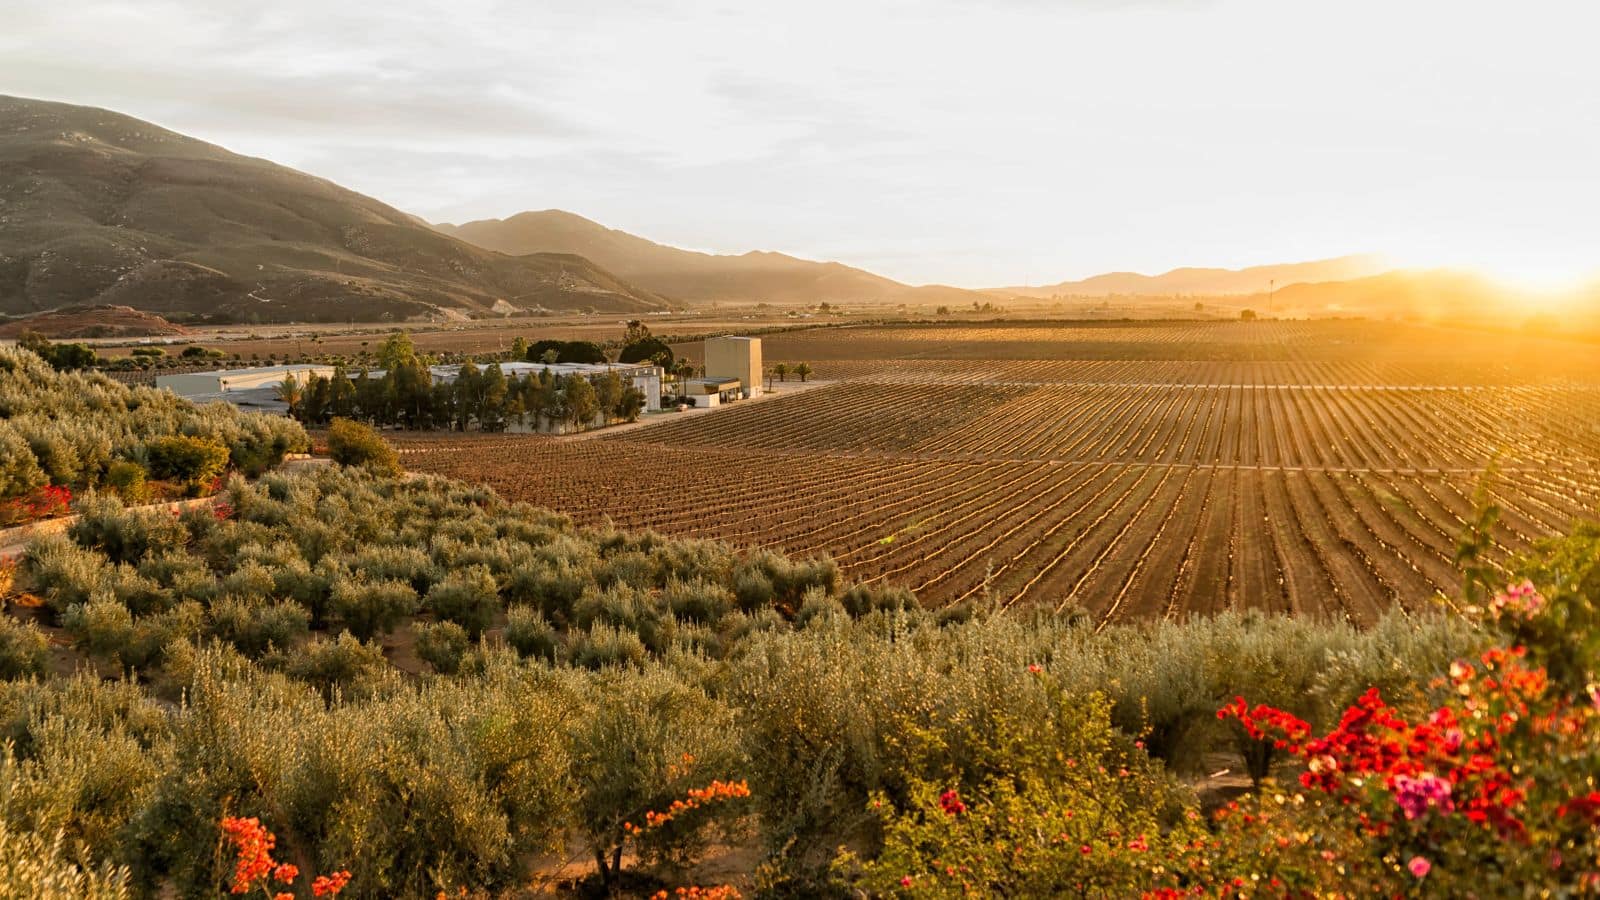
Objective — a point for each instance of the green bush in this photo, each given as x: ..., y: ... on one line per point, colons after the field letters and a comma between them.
x: 127, y: 480
x: 24, y: 650
x: 343, y: 664
x: 371, y: 608
x: 531, y: 634
x: 469, y: 598
x: 442, y: 645
x: 354, y: 444
x: 192, y: 462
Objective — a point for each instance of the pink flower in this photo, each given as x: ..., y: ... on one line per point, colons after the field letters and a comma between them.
x: 1419, y: 867
x: 1416, y: 796
x: 906, y: 881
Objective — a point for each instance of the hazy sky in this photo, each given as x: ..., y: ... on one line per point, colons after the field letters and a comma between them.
x: 972, y: 143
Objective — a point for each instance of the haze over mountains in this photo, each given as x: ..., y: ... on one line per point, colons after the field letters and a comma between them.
x: 98, y: 207
x: 757, y: 276
x: 101, y: 209
x: 1209, y: 282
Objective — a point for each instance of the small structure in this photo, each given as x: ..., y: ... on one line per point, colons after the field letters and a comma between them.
x: 223, y: 381
x: 735, y: 358
x: 707, y: 392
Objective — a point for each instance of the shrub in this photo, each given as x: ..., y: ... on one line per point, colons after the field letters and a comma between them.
x: 256, y: 626
x: 651, y: 741
x: 32, y: 866
x: 469, y: 598
x: 531, y: 634
x: 605, y: 646
x: 341, y: 664
x: 442, y: 645
x: 127, y: 480
x: 193, y: 462
x: 698, y: 600
x: 125, y: 536
x: 371, y: 608
x: 24, y: 650
x: 355, y: 444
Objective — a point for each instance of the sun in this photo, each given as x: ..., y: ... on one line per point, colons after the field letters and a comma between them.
x: 1543, y: 283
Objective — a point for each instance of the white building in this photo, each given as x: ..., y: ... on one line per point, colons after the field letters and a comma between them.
x: 223, y: 381
x: 735, y: 357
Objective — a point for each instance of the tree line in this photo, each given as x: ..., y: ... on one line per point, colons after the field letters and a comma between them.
x: 406, y: 396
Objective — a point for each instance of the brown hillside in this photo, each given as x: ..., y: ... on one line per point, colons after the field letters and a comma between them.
x: 98, y: 207
x: 92, y: 322
x: 757, y: 276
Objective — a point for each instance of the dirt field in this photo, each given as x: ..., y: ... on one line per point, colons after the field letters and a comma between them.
x: 1134, y: 470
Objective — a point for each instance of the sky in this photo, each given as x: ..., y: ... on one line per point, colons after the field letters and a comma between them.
x: 934, y: 141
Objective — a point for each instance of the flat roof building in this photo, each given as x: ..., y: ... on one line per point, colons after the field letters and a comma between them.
x: 225, y: 381
x: 735, y: 357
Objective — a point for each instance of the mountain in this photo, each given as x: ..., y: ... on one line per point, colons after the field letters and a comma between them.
x: 1208, y: 282
x: 92, y: 322
x: 699, y: 277
x: 1424, y: 293
x: 101, y: 208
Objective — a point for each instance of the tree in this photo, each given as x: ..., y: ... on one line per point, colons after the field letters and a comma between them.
x: 468, y: 395
x: 492, y: 393
x: 397, y: 350
x: 637, y: 331
x: 519, y: 348
x: 803, y: 370
x: 579, y: 401
x: 647, y: 350
x: 1247, y: 315
x: 608, y: 390
x: 341, y: 394
x: 289, y: 392
x: 782, y: 371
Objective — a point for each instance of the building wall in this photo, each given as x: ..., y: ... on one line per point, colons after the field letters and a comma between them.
x: 191, y: 384
x: 735, y: 357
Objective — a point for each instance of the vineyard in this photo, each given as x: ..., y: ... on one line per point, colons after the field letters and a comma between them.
x: 1133, y: 470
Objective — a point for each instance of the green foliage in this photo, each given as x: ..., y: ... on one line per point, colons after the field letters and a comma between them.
x: 442, y: 645
x: 531, y: 634
x: 127, y: 480
x: 469, y: 598
x: 647, y: 349
x: 354, y: 444
x: 24, y: 650
x: 372, y: 608
x: 193, y: 462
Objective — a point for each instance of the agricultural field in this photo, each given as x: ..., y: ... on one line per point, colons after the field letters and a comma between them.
x: 1130, y: 469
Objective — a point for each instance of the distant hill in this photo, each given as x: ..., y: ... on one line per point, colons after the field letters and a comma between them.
x: 699, y: 277
x: 1426, y: 293
x: 92, y: 322
x: 98, y: 207
x: 1207, y: 282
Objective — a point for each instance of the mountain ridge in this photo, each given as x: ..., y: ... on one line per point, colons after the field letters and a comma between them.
x: 97, y: 207
x: 693, y: 275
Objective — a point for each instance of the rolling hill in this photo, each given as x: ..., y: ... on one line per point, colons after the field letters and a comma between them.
x: 102, y: 208
x: 1207, y: 282
x: 689, y: 275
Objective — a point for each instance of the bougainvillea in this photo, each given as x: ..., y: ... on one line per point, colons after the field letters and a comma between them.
x: 1496, y: 781
x: 40, y: 503
x: 254, y: 868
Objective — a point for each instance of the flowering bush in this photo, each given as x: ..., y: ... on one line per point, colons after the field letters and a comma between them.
x: 1082, y: 812
x: 39, y: 503
x: 255, y: 868
x: 1498, y: 780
